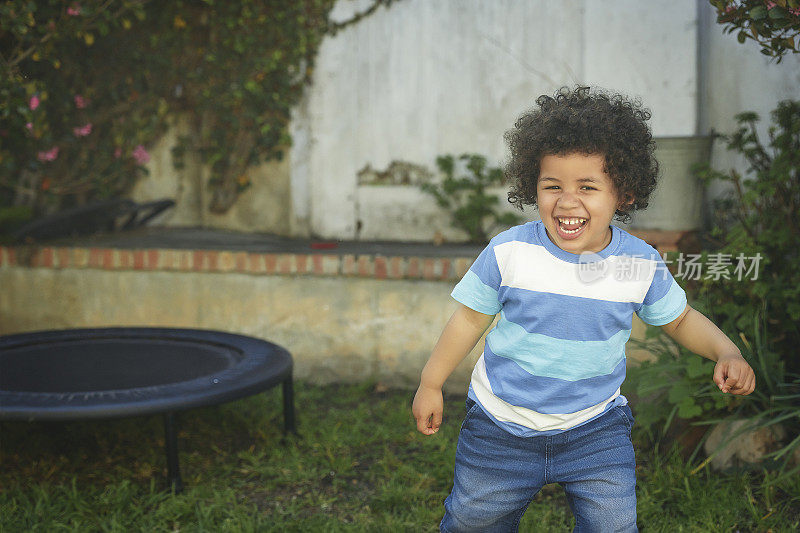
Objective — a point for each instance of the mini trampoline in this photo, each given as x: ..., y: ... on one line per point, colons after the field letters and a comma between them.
x: 120, y: 372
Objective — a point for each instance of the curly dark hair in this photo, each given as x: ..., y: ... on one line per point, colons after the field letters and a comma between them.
x: 589, y: 122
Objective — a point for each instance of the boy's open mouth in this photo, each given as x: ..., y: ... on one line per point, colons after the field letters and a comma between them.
x: 571, y: 226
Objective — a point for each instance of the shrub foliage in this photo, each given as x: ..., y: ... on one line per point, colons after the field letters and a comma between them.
x: 761, y: 215
x: 774, y: 25
x: 472, y: 208
x: 88, y: 86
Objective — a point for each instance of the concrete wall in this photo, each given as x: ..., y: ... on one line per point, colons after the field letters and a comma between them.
x: 263, y: 207
x: 343, y: 318
x: 405, y: 213
x: 424, y: 78
x: 337, y: 330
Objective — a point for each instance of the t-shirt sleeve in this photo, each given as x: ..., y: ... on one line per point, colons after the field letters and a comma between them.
x: 665, y: 300
x: 479, y: 287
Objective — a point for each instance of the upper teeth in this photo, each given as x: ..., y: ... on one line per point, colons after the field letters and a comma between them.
x: 572, y: 220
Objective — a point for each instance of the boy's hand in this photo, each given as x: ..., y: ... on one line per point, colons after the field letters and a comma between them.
x: 427, y: 409
x: 733, y: 374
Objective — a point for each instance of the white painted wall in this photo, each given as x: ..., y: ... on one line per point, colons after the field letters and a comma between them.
x: 430, y: 77
x: 648, y: 50
x: 425, y: 78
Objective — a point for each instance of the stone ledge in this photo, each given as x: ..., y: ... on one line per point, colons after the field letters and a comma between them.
x: 366, y: 265
x: 664, y: 240
x: 288, y: 264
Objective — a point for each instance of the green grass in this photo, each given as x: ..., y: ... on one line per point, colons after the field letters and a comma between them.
x: 358, y: 464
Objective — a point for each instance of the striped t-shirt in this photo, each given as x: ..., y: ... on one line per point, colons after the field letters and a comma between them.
x: 556, y: 357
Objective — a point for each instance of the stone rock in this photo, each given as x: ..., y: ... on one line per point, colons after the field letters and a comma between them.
x: 736, y: 445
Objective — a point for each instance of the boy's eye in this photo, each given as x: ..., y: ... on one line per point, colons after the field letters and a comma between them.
x: 555, y: 187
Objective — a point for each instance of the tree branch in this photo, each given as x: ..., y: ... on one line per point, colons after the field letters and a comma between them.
x: 334, y: 27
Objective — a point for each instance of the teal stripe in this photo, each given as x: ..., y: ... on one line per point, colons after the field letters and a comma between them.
x: 475, y: 294
x: 665, y: 310
x: 569, y: 360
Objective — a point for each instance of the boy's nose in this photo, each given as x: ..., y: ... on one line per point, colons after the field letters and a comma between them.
x: 567, y: 199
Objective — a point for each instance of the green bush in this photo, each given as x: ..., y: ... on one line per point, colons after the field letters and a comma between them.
x: 88, y: 86
x: 471, y: 208
x: 63, y: 132
x: 760, y: 216
x: 676, y: 392
x: 775, y: 26
x: 676, y: 385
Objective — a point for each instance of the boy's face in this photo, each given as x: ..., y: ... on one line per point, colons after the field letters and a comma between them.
x: 577, y: 201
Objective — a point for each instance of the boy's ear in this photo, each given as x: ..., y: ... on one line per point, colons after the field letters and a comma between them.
x: 626, y: 201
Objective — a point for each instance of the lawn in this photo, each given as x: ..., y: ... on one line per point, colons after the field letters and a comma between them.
x: 357, y: 465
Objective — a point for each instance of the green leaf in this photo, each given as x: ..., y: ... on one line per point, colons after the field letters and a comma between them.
x: 778, y: 12
x: 758, y: 13
x: 687, y: 408
x: 679, y: 391
x: 696, y: 367
x: 252, y: 86
x: 445, y: 164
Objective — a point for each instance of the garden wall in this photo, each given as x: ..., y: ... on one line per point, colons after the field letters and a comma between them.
x: 422, y: 79
x: 263, y: 207
x: 344, y: 317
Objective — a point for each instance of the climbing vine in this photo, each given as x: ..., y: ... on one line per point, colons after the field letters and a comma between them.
x: 774, y: 25
x: 88, y: 86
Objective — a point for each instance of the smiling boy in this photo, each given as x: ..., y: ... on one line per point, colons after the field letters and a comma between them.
x: 544, y: 403
x: 577, y: 201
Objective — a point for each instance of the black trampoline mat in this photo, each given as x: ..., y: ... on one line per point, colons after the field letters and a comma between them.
x: 90, y: 365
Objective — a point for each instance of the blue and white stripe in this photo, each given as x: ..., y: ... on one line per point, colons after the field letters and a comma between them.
x: 556, y: 357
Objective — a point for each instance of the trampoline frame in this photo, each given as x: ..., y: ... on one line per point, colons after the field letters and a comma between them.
x: 263, y: 366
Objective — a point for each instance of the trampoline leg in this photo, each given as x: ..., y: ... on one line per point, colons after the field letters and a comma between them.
x: 171, y: 445
x: 288, y: 406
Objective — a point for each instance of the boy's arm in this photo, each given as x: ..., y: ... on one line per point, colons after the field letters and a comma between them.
x: 695, y: 332
x: 459, y: 337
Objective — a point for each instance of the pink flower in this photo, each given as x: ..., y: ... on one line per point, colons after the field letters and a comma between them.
x: 83, y: 131
x: 74, y: 10
x: 29, y: 126
x: 770, y: 5
x: 49, y: 155
x: 118, y: 153
x: 34, y: 102
x: 140, y: 155
x: 80, y: 101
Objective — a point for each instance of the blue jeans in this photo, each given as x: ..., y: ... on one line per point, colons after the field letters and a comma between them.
x: 497, y: 474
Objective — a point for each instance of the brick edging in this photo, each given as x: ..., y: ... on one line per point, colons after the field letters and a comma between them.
x: 289, y: 264
x: 270, y: 264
